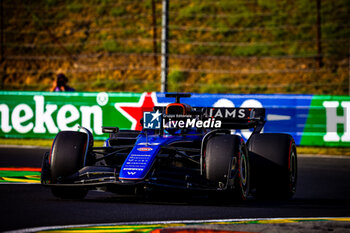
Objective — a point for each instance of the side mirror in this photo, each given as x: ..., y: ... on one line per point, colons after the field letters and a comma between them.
x: 111, y: 130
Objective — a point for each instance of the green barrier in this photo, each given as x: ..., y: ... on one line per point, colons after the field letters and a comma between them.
x: 313, y: 120
x: 44, y: 114
x: 328, y: 122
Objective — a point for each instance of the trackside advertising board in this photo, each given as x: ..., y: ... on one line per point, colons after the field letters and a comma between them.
x: 313, y: 120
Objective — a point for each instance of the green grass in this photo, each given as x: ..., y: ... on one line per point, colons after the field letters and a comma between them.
x: 323, y: 150
x: 33, y: 142
x: 238, y: 29
x: 74, y: 7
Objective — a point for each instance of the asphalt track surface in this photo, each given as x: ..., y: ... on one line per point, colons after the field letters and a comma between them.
x: 323, y: 191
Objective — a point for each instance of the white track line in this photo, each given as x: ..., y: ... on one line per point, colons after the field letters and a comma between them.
x: 36, y: 229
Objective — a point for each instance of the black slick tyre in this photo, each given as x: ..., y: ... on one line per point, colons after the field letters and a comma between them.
x: 242, y: 182
x: 226, y: 164
x: 66, y: 158
x: 274, y: 165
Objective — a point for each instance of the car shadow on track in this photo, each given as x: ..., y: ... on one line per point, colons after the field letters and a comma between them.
x: 207, y: 200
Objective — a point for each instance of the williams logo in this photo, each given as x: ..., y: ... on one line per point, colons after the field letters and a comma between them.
x: 152, y: 120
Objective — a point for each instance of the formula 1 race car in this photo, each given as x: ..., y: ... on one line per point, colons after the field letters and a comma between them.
x: 179, y: 148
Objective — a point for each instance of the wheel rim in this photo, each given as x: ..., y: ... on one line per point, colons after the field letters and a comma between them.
x: 243, y: 170
x: 293, y: 170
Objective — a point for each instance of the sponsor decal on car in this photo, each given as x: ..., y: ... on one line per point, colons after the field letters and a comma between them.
x: 148, y: 144
x: 144, y: 149
x: 226, y: 113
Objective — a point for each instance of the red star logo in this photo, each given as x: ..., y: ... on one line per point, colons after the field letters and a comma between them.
x: 134, y: 111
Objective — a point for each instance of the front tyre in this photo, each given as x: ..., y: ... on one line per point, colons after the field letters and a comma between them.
x: 68, y: 156
x: 226, y: 164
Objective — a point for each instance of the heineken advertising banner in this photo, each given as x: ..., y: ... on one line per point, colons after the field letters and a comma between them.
x: 312, y: 120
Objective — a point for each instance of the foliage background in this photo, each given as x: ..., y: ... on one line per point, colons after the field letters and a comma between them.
x: 217, y: 46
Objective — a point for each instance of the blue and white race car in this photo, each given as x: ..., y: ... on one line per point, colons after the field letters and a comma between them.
x: 179, y: 148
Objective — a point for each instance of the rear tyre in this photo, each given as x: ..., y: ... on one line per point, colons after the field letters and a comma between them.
x: 67, y: 157
x: 225, y: 155
x: 274, y: 162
